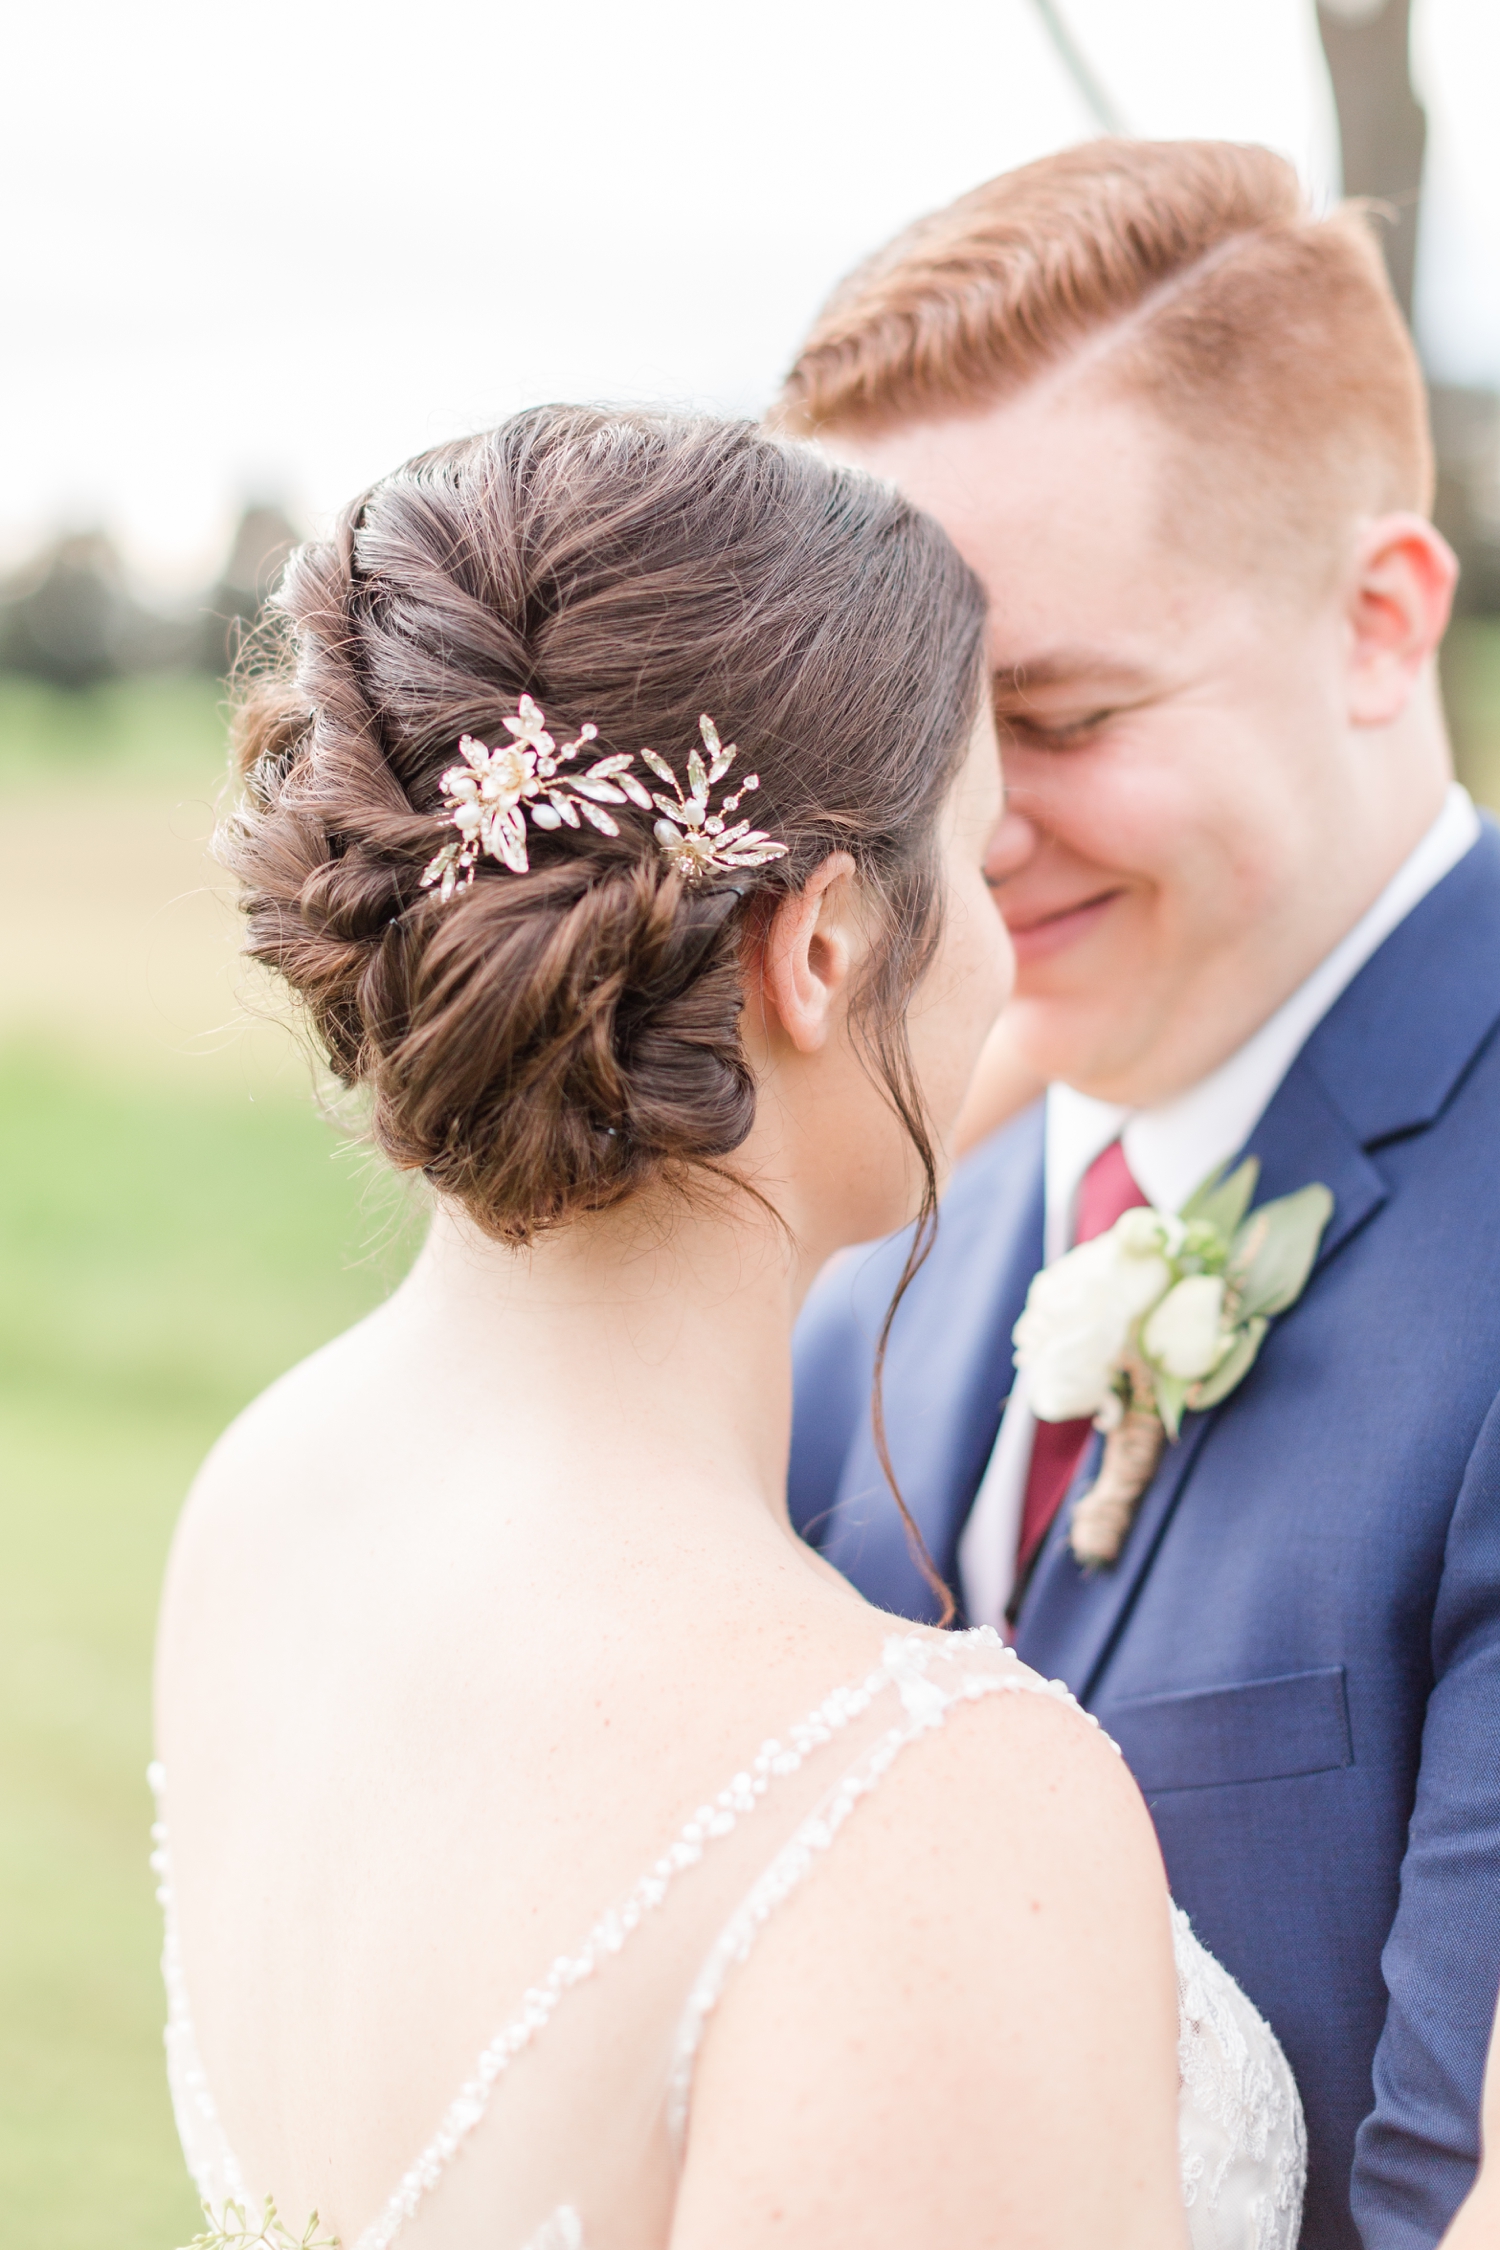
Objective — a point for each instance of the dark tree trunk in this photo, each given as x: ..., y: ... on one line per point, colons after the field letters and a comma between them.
x: 1382, y: 125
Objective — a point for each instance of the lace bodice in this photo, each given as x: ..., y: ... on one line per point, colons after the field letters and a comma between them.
x: 1241, y: 2132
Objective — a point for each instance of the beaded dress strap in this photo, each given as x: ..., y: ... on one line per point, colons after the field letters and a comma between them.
x: 773, y: 1761
x: 211, y: 2161
x: 926, y: 1700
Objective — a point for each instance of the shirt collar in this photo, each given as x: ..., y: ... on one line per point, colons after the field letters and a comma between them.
x: 1173, y: 1147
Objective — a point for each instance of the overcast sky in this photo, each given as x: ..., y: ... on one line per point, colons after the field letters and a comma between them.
x: 275, y: 249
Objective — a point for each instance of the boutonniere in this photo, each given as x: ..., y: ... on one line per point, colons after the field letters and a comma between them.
x: 1162, y: 1314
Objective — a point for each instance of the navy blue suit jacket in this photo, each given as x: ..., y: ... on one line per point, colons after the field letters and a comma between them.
x: 1299, y: 1649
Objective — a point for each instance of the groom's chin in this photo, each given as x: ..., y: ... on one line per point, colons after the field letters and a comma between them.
x: 1089, y: 1039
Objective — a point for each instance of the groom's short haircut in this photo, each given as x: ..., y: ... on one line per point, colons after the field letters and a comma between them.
x: 1189, y: 276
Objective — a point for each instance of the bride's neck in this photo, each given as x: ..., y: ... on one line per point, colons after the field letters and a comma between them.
x: 666, y: 1328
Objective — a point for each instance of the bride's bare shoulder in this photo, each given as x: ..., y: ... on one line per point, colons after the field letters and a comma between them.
x: 308, y: 1407
x: 1023, y: 1761
x: 1005, y: 1878
x: 302, y: 1435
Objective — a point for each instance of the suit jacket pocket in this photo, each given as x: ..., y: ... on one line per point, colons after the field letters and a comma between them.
x: 1262, y: 1730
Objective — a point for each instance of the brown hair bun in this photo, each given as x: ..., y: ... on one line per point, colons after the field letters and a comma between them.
x: 545, y: 1044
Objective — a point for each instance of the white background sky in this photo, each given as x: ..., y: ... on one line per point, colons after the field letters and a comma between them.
x: 273, y: 249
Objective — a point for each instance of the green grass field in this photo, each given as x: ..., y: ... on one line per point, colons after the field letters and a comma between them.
x: 166, y: 1247
x: 175, y: 1229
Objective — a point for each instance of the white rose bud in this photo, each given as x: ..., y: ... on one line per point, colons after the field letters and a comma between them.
x: 1072, y: 1336
x: 1136, y: 1243
x: 1145, y: 1233
x: 1184, y: 1335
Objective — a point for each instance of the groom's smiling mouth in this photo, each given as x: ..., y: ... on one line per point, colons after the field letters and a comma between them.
x: 1035, y: 935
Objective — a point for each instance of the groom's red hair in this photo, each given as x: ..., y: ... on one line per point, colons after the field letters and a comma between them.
x: 1194, y: 273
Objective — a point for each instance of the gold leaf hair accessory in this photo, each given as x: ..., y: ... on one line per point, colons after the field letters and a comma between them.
x: 488, y: 799
x: 694, y: 839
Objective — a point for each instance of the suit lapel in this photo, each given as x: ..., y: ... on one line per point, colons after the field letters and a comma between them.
x: 1394, y: 1047
x: 1070, y: 1619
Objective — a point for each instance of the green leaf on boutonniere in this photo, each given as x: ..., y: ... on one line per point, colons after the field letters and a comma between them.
x: 1222, y: 1202
x: 1274, y: 1251
x: 1238, y: 1363
x: 1171, y: 1395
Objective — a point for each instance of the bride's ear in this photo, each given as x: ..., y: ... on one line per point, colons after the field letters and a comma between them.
x: 809, y: 952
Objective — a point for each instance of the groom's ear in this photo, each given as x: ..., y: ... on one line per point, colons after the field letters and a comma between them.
x: 1400, y: 592
x: 809, y: 952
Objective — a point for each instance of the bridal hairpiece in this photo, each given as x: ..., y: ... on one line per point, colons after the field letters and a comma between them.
x: 488, y: 799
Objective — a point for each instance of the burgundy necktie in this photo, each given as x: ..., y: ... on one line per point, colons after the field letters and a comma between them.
x: 1107, y: 1192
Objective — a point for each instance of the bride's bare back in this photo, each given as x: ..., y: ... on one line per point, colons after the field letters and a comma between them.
x: 420, y: 1728
x: 475, y: 1614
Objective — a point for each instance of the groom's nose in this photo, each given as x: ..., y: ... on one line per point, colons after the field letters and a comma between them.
x: 1015, y: 840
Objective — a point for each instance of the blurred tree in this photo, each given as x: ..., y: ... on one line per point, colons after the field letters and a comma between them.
x: 70, y: 618
x: 1382, y: 125
x: 69, y: 615
x: 265, y: 536
x: 1466, y: 437
x: 1383, y: 134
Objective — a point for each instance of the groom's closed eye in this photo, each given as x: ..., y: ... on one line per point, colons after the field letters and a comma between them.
x: 1061, y: 699
x: 1052, y: 734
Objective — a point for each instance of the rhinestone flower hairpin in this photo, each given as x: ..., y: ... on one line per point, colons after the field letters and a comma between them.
x: 488, y: 799
x: 694, y: 839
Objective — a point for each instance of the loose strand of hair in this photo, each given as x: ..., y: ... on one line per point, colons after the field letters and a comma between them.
x: 896, y: 1073
x: 924, y: 1234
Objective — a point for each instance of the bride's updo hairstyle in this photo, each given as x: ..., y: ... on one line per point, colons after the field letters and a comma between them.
x: 545, y: 1044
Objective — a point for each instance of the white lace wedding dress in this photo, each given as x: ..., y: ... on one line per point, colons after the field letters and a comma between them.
x: 1243, y: 2150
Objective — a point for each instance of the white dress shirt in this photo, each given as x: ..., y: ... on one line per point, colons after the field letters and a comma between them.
x: 1171, y: 1150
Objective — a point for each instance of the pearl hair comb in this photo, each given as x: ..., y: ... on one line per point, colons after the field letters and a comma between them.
x: 488, y: 799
